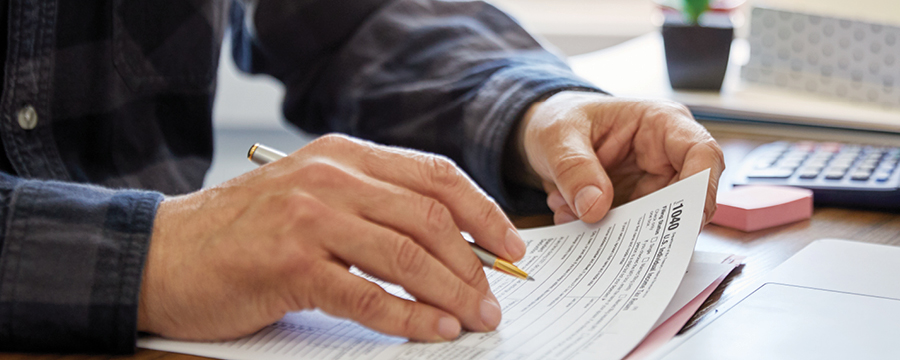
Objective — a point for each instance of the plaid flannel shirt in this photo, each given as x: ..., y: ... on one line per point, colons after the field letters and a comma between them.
x: 107, y: 104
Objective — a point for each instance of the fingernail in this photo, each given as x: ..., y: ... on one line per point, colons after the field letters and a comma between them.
x: 514, y: 244
x: 490, y: 313
x: 448, y: 328
x: 586, y: 198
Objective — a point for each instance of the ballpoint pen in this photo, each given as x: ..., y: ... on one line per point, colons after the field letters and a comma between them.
x: 261, y: 155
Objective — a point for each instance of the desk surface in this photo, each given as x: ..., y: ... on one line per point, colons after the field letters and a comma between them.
x: 764, y: 249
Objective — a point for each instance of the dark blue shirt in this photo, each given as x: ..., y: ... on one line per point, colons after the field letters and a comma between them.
x: 107, y: 106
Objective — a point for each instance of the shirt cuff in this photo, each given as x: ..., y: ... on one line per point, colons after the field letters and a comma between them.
x: 71, y: 266
x: 499, y: 106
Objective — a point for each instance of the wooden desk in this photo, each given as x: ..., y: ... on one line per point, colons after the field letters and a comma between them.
x: 764, y: 249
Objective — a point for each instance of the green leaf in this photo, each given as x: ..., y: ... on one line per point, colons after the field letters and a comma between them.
x: 694, y: 8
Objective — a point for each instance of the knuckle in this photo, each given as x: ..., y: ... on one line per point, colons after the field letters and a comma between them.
x: 292, y: 262
x: 300, y: 207
x: 411, y: 258
x: 488, y: 211
x: 332, y: 140
x: 568, y: 164
x: 474, y: 275
x: 714, y: 150
x: 410, y: 319
x: 458, y: 296
x: 367, y: 304
x: 682, y: 108
x: 320, y: 172
x: 674, y: 106
x: 717, y: 151
x: 437, y: 216
x: 666, y: 110
x: 442, y: 172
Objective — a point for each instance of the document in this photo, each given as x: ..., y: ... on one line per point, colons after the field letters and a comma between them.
x: 599, y: 290
x: 705, y: 272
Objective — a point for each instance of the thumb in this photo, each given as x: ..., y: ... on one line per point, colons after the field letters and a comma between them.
x: 580, y: 177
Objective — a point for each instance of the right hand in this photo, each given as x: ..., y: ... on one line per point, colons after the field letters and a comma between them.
x: 226, y: 261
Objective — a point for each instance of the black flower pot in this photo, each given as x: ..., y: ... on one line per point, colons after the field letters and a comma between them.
x: 697, y: 56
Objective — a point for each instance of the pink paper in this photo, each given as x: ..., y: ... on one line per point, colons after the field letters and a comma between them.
x: 667, y: 330
x: 757, y: 207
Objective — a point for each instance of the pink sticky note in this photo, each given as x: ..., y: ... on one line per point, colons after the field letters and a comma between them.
x: 756, y: 207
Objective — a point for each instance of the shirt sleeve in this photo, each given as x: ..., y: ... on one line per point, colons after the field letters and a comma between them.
x: 71, y: 264
x: 451, y: 77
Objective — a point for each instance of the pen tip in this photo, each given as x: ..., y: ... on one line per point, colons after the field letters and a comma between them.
x: 529, y: 278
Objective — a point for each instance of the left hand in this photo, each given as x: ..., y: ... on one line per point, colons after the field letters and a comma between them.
x: 592, y: 151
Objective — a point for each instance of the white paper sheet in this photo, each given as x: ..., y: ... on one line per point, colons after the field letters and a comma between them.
x: 704, y: 269
x: 600, y: 288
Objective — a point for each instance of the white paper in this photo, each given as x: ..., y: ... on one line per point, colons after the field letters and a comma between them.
x: 704, y: 269
x: 600, y: 288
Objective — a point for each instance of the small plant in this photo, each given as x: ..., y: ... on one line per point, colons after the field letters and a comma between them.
x: 693, y: 9
x: 697, y: 52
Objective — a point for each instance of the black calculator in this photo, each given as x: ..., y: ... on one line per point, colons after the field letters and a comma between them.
x: 839, y: 174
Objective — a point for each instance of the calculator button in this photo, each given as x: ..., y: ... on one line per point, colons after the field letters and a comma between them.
x: 844, y: 158
x: 882, y: 176
x: 861, y: 175
x: 866, y: 168
x: 834, y: 175
x: 789, y: 164
x: 811, y: 168
x: 773, y: 173
x: 764, y: 163
x: 816, y: 163
x: 809, y: 174
x: 872, y: 162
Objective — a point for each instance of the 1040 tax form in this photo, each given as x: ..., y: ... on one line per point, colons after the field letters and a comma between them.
x: 600, y: 289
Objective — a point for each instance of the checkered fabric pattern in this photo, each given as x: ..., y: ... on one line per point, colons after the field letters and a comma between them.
x: 122, y: 91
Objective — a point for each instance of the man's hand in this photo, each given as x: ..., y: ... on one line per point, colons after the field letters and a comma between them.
x: 591, y: 151
x: 227, y: 261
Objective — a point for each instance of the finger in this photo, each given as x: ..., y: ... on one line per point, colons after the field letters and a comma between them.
x: 687, y: 149
x: 702, y: 156
x: 555, y: 200
x: 343, y: 294
x: 576, y: 171
x: 421, y: 218
x: 561, y: 212
x: 431, y: 224
x: 564, y: 216
x: 439, y: 178
x: 400, y: 260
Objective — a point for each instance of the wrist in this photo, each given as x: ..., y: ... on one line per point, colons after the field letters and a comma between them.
x: 519, y: 168
x: 148, y: 315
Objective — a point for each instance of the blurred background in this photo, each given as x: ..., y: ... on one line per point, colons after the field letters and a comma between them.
x: 247, y: 108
